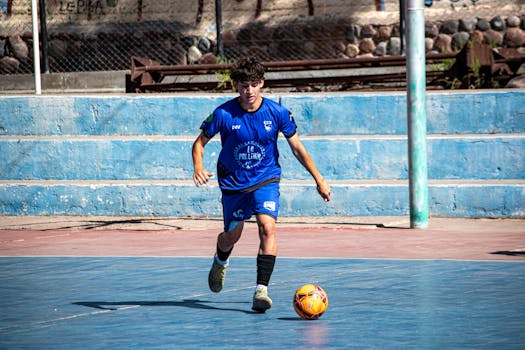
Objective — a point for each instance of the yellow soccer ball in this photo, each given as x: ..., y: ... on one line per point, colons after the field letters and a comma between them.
x: 310, y: 301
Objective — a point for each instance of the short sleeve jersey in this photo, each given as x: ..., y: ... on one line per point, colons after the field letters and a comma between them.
x: 249, y: 156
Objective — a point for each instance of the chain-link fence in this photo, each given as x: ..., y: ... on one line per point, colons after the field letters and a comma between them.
x: 99, y: 35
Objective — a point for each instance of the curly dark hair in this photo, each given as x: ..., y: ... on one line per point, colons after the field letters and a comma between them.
x: 247, y: 69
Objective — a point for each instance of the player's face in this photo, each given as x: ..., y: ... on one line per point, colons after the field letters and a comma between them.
x: 249, y: 93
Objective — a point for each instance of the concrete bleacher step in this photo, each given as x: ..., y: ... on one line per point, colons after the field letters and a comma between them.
x: 447, y: 198
x: 374, y: 157
x: 131, y: 155
x: 457, y: 112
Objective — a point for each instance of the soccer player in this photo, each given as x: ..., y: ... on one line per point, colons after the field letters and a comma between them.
x: 248, y: 171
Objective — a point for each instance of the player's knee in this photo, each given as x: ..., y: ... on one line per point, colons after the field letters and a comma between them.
x: 267, y: 229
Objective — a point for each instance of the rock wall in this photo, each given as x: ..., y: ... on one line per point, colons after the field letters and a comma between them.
x: 102, y: 35
x: 201, y: 13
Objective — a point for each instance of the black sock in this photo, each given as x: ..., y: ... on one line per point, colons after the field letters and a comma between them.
x: 265, y: 264
x: 223, y: 256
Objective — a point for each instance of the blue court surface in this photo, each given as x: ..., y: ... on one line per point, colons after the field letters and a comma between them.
x: 164, y: 303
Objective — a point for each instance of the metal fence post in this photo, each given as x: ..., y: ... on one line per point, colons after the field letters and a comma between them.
x: 36, y: 49
x: 218, y: 24
x: 43, y: 38
x: 402, y: 14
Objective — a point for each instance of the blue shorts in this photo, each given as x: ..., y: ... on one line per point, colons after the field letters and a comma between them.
x: 241, y: 206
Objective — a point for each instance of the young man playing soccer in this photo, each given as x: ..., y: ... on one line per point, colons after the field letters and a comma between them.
x: 248, y: 171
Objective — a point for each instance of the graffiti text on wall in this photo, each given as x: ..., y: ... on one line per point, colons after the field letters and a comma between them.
x: 80, y: 7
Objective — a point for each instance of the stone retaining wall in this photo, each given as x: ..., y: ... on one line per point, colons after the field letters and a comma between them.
x: 105, y: 35
x: 298, y: 40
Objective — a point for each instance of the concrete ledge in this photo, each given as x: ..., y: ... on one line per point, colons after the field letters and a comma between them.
x: 343, y: 158
x: 106, y: 115
x: 458, y: 112
x: 487, y: 200
x: 74, y: 82
x: 479, y: 112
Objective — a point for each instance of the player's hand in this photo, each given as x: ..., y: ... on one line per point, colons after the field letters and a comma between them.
x: 201, y: 176
x: 324, y: 190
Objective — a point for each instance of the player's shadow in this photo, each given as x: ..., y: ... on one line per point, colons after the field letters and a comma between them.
x: 98, y: 224
x: 510, y: 252
x: 290, y: 319
x: 189, y: 303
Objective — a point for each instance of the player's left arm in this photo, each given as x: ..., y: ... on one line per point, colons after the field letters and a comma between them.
x: 302, y: 155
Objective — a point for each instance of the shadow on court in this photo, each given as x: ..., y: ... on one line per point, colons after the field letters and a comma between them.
x: 510, y: 252
x: 187, y: 303
x: 109, y: 224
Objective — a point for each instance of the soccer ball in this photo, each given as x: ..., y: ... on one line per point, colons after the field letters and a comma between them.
x: 310, y: 301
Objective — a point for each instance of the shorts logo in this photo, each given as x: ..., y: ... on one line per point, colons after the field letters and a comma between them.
x: 249, y: 154
x: 270, y: 205
x: 238, y: 214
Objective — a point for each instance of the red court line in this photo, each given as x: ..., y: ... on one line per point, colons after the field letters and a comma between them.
x: 472, y: 243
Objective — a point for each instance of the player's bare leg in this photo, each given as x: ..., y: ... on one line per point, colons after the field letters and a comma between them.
x: 265, y: 262
x: 268, y: 242
x: 225, y: 243
x: 226, y: 240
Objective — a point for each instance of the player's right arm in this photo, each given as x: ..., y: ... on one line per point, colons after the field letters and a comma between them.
x: 200, y: 175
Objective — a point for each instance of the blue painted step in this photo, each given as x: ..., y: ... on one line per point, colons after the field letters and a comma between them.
x: 493, y: 112
x: 342, y: 158
x: 494, y: 199
x: 130, y: 155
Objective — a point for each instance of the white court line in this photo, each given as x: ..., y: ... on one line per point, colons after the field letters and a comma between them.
x: 50, y: 322
x: 248, y: 257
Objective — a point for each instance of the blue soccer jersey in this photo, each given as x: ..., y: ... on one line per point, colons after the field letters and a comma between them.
x: 249, y: 155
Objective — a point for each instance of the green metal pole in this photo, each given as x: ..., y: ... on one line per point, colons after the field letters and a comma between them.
x: 417, y: 125
x: 218, y: 24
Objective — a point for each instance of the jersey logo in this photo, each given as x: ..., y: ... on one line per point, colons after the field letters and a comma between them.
x: 236, y: 127
x: 249, y: 154
x: 268, y: 125
x: 209, y: 119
